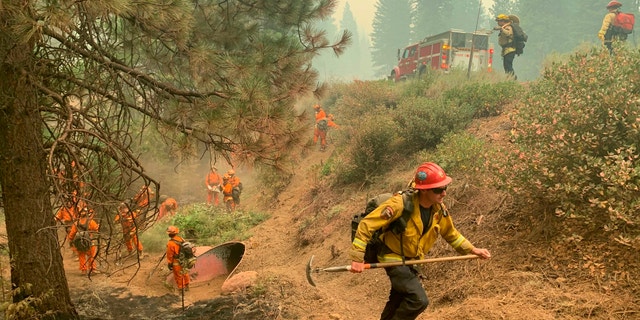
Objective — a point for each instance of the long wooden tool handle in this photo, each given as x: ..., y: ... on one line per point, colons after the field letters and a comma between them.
x: 399, y: 263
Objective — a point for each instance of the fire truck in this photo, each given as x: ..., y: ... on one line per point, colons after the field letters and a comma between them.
x: 445, y: 51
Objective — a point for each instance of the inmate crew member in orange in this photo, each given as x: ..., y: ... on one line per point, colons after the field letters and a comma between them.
x: 227, y: 193
x: 143, y: 197
x: 87, y: 258
x: 213, y: 182
x: 430, y: 218
x: 127, y: 219
x: 66, y: 215
x: 168, y: 207
x: 173, y: 248
x: 320, y: 130
x: 236, y: 184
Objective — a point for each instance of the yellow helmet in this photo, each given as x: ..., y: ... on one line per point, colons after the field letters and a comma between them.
x: 231, y: 172
x: 503, y: 17
x: 316, y: 106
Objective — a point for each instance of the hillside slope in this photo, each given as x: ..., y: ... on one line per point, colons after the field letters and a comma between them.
x: 533, y: 274
x: 540, y: 268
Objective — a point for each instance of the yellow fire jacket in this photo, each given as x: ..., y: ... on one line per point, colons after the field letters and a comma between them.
x: 505, y: 39
x: 415, y: 243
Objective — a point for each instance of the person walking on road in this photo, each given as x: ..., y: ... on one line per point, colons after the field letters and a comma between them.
x: 430, y: 218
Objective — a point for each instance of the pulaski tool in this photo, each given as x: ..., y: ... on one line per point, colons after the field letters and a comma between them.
x: 311, y: 270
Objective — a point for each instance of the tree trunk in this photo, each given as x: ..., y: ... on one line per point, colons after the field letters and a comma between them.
x: 36, y: 262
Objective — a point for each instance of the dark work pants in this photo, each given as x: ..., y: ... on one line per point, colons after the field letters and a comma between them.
x: 407, y: 298
x: 507, y: 63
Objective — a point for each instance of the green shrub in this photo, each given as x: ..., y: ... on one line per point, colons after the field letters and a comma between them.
x: 462, y: 154
x: 369, y: 147
x: 203, y: 225
x: 486, y: 99
x: 423, y: 122
x: 577, y: 135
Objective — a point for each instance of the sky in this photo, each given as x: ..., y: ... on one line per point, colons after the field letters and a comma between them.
x: 365, y: 10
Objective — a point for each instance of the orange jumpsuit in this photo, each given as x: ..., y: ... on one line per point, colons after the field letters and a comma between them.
x: 142, y: 197
x: 227, y: 191
x: 213, y: 183
x: 168, y: 207
x: 322, y: 134
x: 236, y: 188
x: 173, y: 248
x: 86, y: 258
x: 66, y: 216
x: 129, y: 230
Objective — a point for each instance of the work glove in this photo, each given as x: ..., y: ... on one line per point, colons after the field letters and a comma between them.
x: 170, y: 266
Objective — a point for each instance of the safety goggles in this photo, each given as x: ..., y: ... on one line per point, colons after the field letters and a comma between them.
x: 439, y: 190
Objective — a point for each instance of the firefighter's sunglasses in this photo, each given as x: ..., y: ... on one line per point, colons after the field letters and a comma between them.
x: 439, y: 190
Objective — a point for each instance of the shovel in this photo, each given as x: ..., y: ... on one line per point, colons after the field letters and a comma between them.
x: 310, y: 269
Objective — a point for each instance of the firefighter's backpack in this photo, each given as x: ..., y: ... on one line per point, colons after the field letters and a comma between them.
x: 623, y: 23
x: 519, y: 36
x: 398, y: 226
x: 323, y: 125
x: 186, y: 255
x: 82, y: 240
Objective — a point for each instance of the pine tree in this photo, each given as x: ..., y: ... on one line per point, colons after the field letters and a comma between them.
x: 81, y: 82
x: 349, y: 61
x: 391, y: 32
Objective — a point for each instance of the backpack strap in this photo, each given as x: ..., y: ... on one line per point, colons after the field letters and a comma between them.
x: 407, y: 210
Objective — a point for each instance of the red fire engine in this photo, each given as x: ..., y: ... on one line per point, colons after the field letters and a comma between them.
x: 445, y: 51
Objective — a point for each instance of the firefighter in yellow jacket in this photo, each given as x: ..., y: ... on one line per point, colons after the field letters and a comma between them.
x: 607, y: 34
x: 408, y: 298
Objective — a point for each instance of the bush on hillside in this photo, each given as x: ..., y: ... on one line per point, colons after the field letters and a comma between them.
x: 578, y: 135
x: 423, y: 122
x: 203, y: 225
x: 486, y: 99
x: 461, y: 155
x: 368, y: 148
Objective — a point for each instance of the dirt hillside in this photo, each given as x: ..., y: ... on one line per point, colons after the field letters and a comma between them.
x: 535, y: 272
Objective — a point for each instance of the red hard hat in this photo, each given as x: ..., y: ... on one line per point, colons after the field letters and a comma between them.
x: 429, y: 176
x: 172, y: 230
x: 614, y: 4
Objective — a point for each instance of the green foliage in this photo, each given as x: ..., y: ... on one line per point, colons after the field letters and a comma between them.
x: 578, y: 136
x: 461, y: 154
x: 204, y: 225
x: 28, y: 306
x: 373, y: 147
x: 487, y: 99
x: 422, y: 122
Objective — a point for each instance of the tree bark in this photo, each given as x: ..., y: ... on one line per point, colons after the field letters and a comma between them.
x: 36, y: 262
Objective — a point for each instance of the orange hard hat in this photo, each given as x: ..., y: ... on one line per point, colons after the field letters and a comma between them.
x: 429, y: 176
x: 614, y: 4
x: 173, y: 230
